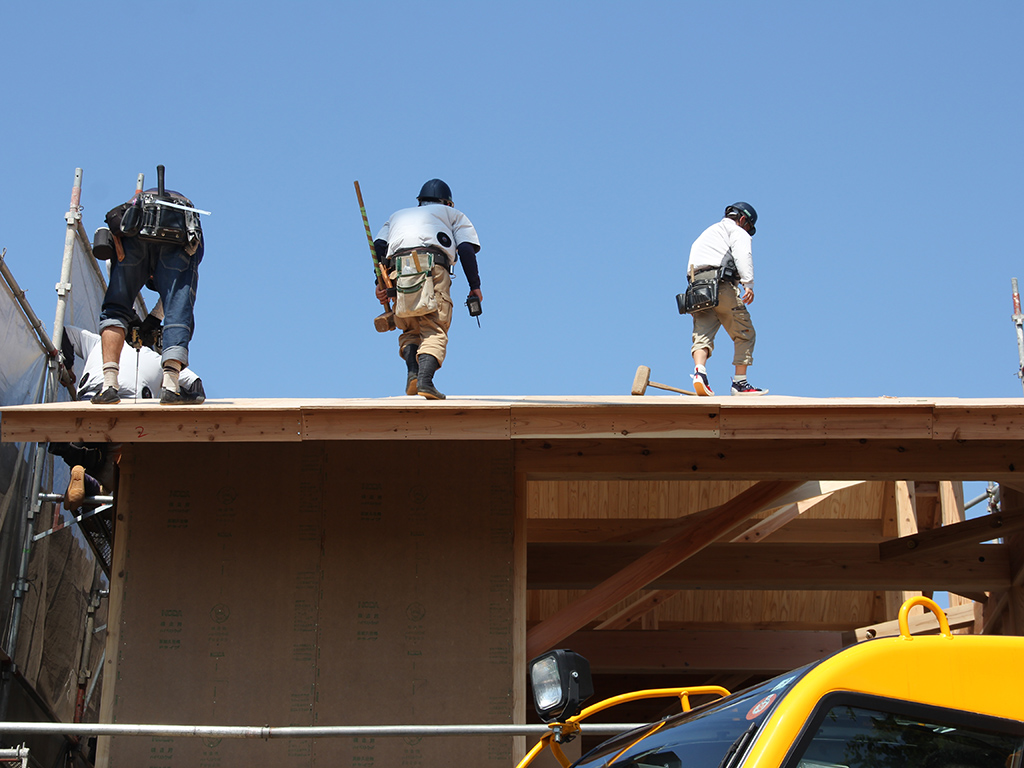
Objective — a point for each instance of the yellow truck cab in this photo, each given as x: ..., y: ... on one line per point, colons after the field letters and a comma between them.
x: 936, y: 701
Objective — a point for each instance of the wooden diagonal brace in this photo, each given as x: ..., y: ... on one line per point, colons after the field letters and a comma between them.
x: 702, y: 529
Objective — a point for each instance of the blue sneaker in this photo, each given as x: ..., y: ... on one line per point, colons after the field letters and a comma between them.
x: 700, y: 384
x: 743, y: 388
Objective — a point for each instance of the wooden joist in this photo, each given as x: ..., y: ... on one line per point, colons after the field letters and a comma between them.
x: 701, y: 650
x: 768, y: 566
x: 851, y: 459
x: 632, y: 530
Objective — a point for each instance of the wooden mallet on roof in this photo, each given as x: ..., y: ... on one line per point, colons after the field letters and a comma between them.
x: 642, y: 381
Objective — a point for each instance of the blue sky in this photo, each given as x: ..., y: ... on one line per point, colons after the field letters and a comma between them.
x: 589, y: 143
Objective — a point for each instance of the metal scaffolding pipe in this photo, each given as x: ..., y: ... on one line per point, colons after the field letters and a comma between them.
x: 73, y: 216
x: 56, y: 498
x: 19, y: 295
x: 267, y: 732
x: 1018, y: 322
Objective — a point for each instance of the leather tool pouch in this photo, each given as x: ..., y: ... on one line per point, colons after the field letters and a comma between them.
x: 700, y: 294
x: 414, y: 284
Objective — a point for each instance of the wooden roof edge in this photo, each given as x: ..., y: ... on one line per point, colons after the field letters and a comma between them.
x: 767, y: 402
x: 528, y: 417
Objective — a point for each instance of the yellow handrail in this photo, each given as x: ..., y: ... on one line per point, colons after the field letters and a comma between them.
x: 571, y: 726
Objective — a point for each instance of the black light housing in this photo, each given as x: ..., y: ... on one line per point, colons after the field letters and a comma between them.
x: 561, y: 682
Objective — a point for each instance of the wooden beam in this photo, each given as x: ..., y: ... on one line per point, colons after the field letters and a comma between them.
x: 768, y: 566
x: 888, y: 459
x: 698, y: 419
x: 705, y: 651
x: 994, y: 609
x: 146, y: 421
x: 633, y: 577
x: 902, y: 523
x: 973, y: 531
x: 781, y: 518
x: 627, y: 530
x: 797, y: 421
x: 642, y: 607
x: 416, y: 421
x: 904, y: 421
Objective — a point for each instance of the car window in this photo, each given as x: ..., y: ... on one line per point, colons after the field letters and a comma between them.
x: 850, y: 736
x: 714, y: 736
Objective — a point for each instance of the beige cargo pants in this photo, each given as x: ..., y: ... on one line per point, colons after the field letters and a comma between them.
x: 430, y: 332
x: 731, y: 313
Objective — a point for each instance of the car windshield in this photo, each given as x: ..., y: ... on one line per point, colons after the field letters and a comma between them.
x: 707, y: 737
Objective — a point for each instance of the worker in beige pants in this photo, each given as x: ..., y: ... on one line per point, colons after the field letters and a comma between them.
x: 428, y: 334
x: 731, y: 314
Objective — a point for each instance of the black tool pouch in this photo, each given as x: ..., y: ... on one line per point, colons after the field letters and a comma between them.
x: 114, y: 217
x: 700, y: 294
x: 126, y: 219
x: 161, y: 223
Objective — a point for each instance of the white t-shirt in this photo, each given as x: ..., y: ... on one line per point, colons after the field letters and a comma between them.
x: 428, y: 226
x: 721, y: 242
x: 139, y: 368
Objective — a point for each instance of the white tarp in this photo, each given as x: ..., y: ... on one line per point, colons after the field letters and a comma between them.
x: 62, y: 569
x: 87, y: 289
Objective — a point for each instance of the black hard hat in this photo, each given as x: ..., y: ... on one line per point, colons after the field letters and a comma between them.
x: 744, y: 209
x: 435, y: 189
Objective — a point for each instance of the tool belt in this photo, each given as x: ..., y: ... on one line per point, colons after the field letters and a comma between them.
x: 144, y: 217
x: 414, y: 282
x: 702, y: 291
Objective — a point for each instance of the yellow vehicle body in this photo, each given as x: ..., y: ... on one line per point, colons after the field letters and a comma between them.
x: 937, y: 701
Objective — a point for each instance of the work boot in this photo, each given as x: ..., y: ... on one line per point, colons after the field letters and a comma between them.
x: 76, y: 489
x: 167, y: 397
x: 412, y: 368
x: 108, y: 396
x: 428, y: 364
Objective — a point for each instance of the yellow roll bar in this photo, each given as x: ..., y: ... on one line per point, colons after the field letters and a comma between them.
x: 559, y: 731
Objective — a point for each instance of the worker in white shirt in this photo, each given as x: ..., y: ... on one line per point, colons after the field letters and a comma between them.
x: 723, y: 252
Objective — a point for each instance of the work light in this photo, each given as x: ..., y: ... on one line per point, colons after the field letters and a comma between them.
x: 561, y: 682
